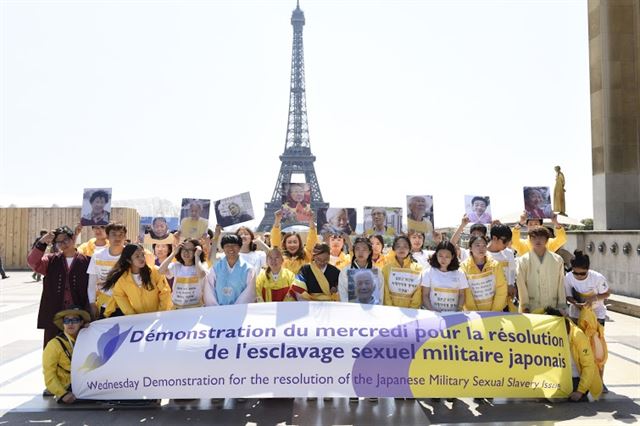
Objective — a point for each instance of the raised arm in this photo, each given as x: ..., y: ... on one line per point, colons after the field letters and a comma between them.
x: 201, y: 267
x: 164, y: 266
x: 276, y: 231
x: 260, y: 245
x: 37, y: 259
x: 312, y: 239
x: 455, y: 238
x: 561, y: 235
x: 516, y: 243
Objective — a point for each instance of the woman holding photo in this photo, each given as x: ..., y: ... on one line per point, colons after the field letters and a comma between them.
x: 362, y: 260
x: 487, y: 289
x: 402, y: 276
x: 295, y: 254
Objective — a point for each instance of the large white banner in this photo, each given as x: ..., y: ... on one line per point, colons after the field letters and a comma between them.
x: 321, y: 349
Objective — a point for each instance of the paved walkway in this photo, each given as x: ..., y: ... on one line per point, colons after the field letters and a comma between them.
x: 21, y: 384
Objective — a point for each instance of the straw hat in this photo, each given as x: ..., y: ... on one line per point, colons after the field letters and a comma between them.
x: 73, y: 310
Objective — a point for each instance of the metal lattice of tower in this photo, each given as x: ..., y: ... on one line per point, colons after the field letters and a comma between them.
x: 297, y: 158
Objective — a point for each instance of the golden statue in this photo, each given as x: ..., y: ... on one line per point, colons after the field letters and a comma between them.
x: 558, y: 193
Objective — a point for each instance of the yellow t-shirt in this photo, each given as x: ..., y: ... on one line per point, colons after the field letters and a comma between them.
x: 193, y: 228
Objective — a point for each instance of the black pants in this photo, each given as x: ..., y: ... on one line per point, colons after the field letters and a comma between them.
x: 116, y: 313
x: 2, y: 273
x: 576, y: 382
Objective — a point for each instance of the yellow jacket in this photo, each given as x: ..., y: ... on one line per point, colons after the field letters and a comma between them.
x: 282, y: 289
x: 134, y: 299
x: 594, y: 331
x: 523, y: 246
x: 89, y: 247
x: 382, y: 260
x: 292, y: 264
x: 343, y: 260
x: 491, y: 270
x: 397, y: 299
x: 583, y: 357
x: 56, y: 365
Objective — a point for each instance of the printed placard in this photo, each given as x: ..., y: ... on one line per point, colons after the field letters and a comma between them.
x: 420, y: 214
x: 157, y: 230
x: 96, y: 207
x: 478, y: 208
x: 385, y: 221
x: 483, y: 286
x: 337, y: 221
x: 194, y: 218
x: 363, y: 286
x: 296, y: 203
x: 234, y: 210
x: 537, y: 202
x: 403, y: 281
x: 444, y: 299
x: 187, y: 291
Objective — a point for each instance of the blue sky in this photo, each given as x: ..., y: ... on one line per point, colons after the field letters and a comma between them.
x: 189, y: 99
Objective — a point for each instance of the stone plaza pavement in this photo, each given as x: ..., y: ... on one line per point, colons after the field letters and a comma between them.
x: 21, y: 385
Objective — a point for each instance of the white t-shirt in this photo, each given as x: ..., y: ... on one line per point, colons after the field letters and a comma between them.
x: 99, y: 267
x: 508, y: 262
x: 594, y: 283
x: 422, y: 257
x: 444, y: 288
x: 464, y: 254
x: 188, y: 286
x: 137, y: 279
x: 257, y: 259
x: 69, y: 261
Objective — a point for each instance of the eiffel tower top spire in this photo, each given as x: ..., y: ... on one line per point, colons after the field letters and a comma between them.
x: 297, y: 158
x: 297, y: 129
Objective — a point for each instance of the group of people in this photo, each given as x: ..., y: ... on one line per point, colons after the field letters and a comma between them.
x: 109, y: 276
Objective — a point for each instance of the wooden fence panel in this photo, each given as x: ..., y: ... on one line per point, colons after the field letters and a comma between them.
x: 19, y: 227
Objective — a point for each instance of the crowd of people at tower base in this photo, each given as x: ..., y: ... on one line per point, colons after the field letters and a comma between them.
x: 110, y: 276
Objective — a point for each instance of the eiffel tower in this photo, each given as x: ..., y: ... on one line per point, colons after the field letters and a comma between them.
x: 297, y: 158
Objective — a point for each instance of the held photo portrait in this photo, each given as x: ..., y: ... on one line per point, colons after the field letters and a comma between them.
x: 96, y: 207
x: 296, y: 203
x: 336, y: 221
x: 478, y: 208
x: 420, y: 213
x: 537, y: 201
x: 385, y: 221
x: 194, y: 217
x: 234, y: 210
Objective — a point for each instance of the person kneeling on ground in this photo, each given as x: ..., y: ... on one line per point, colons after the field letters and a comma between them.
x: 586, y: 377
x: 56, y: 358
